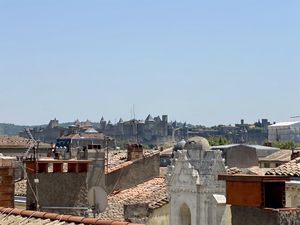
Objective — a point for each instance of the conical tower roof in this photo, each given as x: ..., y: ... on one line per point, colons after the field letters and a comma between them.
x: 149, y: 118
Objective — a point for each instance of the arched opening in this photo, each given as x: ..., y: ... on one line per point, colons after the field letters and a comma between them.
x: 185, y: 215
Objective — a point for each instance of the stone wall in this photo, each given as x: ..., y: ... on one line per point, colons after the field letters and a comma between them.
x: 138, y: 172
x: 250, y: 215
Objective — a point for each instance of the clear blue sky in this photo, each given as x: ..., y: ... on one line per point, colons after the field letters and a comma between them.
x: 204, y: 62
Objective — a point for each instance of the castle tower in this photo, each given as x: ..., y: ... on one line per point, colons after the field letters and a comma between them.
x: 102, y: 124
x: 165, y: 124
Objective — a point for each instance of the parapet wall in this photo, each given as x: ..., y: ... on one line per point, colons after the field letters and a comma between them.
x: 134, y: 173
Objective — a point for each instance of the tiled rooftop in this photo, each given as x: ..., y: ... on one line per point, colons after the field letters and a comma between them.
x: 18, y: 216
x: 255, y: 170
x: 234, y: 170
x: 291, y: 168
x: 13, y: 140
x: 280, y: 156
x: 153, y: 192
x: 16, y: 141
x: 20, y: 188
x: 17, y: 219
x: 118, y: 158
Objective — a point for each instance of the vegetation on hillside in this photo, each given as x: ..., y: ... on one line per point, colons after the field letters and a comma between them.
x: 10, y: 129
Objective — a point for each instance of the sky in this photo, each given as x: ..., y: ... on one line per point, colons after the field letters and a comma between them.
x: 203, y: 62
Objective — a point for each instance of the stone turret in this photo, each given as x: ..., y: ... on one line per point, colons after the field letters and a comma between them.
x: 102, y: 124
x: 53, y: 123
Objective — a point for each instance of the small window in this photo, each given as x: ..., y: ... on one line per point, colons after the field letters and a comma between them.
x: 266, y: 165
x: 274, y: 193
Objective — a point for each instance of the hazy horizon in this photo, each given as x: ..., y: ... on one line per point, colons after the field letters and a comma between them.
x: 202, y: 62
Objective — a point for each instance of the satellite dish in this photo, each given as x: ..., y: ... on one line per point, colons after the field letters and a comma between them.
x: 97, y: 199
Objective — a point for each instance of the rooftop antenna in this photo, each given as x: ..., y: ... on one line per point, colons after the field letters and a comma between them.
x: 133, y: 111
x: 32, y: 143
x: 136, y: 125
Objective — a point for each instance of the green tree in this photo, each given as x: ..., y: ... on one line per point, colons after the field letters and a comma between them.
x: 217, y: 140
x: 285, y: 144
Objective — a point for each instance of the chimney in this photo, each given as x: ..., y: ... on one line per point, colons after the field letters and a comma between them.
x: 295, y: 154
x: 135, y: 151
x: 58, y: 186
x: 7, y: 184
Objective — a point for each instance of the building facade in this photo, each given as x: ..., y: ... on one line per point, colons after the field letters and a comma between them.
x: 196, y: 195
x: 284, y: 131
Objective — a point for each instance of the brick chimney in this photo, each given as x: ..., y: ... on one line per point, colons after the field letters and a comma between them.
x: 7, y: 184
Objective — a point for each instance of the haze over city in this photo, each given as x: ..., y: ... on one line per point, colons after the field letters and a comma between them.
x: 201, y: 62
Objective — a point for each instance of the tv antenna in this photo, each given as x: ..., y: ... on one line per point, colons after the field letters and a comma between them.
x: 33, y: 144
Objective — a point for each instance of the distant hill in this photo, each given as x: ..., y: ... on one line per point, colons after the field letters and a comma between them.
x: 11, y: 129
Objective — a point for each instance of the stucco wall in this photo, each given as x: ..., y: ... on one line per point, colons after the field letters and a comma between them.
x: 160, y: 216
x: 137, y: 172
x: 241, y: 156
x: 250, y: 216
x: 59, y: 189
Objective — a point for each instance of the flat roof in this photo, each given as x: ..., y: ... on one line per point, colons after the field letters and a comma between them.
x: 257, y: 147
x: 284, y: 124
x: 246, y: 177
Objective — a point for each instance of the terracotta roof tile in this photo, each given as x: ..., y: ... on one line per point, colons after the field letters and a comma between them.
x: 279, y: 156
x: 291, y: 168
x: 152, y: 192
x: 20, y: 188
x: 16, y: 141
x: 118, y: 159
x: 14, y: 216
x: 234, y: 170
